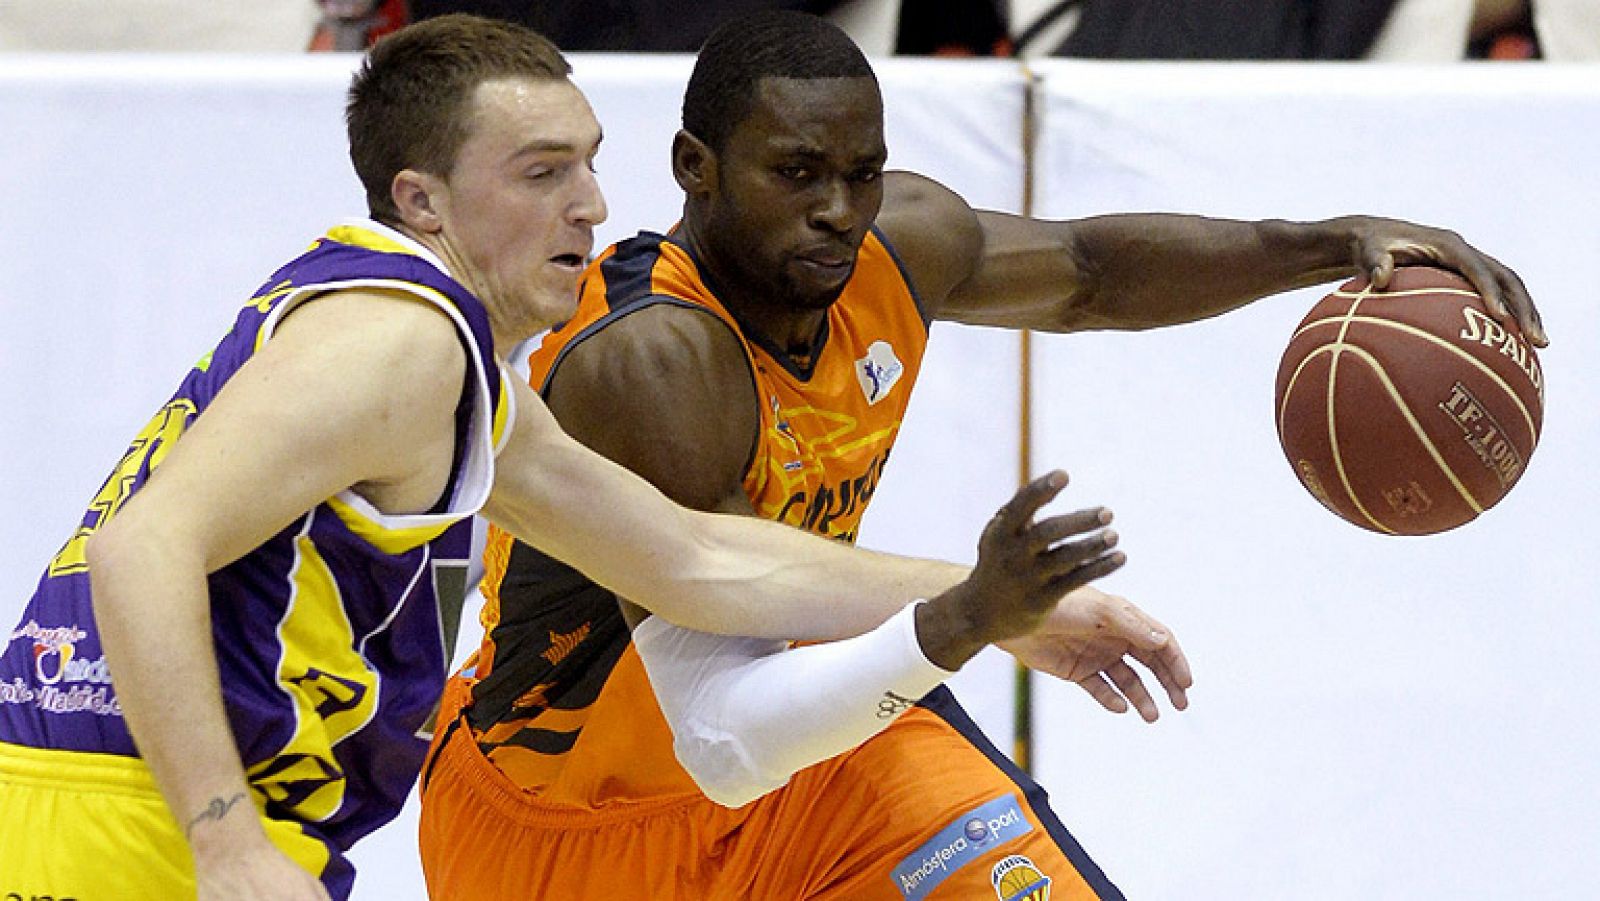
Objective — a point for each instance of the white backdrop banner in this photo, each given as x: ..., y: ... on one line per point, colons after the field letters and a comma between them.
x: 1373, y: 717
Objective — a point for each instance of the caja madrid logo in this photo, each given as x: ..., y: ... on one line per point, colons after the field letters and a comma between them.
x: 53, y: 649
x: 1017, y: 879
x: 50, y: 662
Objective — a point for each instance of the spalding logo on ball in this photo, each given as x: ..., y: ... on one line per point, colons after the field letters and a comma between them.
x: 1408, y: 411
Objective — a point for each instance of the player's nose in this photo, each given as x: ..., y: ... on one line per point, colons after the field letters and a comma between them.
x: 834, y: 210
x: 589, y: 206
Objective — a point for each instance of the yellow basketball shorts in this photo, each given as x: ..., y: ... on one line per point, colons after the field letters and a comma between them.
x: 77, y: 826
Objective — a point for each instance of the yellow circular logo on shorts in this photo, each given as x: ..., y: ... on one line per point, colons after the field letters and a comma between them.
x: 1017, y: 879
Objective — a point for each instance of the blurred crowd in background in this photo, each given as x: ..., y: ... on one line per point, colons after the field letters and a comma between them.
x: 1398, y: 30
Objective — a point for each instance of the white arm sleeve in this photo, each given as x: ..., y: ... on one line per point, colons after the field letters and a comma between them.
x: 747, y: 713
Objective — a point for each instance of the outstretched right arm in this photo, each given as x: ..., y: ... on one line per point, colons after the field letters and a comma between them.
x: 715, y: 573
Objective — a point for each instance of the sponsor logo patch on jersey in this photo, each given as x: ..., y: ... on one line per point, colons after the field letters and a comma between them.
x: 1018, y: 879
x: 967, y: 838
x: 878, y: 371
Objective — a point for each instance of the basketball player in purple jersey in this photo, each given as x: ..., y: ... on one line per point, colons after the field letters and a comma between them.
x: 219, y: 683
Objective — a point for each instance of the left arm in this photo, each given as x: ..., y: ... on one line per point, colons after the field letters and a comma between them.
x: 1145, y: 270
x: 721, y: 573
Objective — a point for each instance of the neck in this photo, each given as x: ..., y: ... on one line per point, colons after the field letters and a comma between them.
x: 785, y: 326
x: 456, y: 266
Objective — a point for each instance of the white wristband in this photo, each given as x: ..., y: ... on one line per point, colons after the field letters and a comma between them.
x: 746, y: 714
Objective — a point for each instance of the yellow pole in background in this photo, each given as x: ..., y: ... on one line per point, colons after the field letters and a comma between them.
x: 1022, y: 725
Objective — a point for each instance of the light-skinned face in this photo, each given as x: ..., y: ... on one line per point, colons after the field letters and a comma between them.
x: 517, y: 211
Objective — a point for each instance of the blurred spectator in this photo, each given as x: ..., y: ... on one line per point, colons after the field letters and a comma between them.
x: 635, y: 26
x: 953, y: 28
x: 880, y: 27
x: 351, y: 26
x: 156, y: 25
x: 1389, y: 30
x: 1502, y: 29
x: 1442, y: 30
x: 1218, y: 29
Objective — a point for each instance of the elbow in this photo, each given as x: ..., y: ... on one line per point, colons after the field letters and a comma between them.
x: 695, y: 678
x: 120, y: 551
x: 105, y: 548
x: 107, y: 553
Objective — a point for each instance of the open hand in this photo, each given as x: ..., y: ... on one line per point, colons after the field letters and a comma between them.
x: 1090, y: 638
x: 1024, y: 568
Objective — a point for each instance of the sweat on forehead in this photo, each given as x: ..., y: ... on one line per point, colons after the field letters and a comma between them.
x: 773, y: 44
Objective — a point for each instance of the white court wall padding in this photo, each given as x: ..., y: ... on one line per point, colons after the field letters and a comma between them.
x: 1374, y: 717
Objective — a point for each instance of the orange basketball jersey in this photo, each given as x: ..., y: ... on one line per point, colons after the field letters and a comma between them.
x: 559, y: 701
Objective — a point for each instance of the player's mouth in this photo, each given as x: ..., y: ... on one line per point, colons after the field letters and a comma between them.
x: 570, y: 261
x: 827, y: 265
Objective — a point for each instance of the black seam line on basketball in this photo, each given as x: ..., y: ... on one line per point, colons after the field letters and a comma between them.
x: 1488, y: 371
x: 1337, y: 349
x: 1416, y: 427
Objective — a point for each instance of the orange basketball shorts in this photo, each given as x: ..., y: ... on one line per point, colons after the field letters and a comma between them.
x: 926, y: 810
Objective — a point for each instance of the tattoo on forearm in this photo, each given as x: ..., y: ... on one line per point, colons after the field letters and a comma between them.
x: 216, y: 810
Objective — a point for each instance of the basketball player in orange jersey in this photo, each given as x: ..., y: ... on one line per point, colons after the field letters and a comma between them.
x: 218, y: 686
x: 758, y: 359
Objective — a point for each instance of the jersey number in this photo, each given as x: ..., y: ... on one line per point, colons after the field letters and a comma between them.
x: 150, y: 446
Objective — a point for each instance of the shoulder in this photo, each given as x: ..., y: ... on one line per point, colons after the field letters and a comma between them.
x: 933, y: 231
x: 665, y: 341
x: 668, y: 392
x: 379, y: 318
x: 383, y: 339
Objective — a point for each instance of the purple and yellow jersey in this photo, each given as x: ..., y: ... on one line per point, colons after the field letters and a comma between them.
x: 329, y: 636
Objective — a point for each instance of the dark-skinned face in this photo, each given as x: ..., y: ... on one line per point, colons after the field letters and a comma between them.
x: 799, y: 183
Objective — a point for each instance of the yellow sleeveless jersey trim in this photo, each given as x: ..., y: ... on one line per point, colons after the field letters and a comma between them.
x: 382, y: 531
x: 365, y: 236
x: 505, y: 415
x: 397, y: 533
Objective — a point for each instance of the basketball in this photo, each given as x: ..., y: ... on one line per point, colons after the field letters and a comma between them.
x: 1408, y: 411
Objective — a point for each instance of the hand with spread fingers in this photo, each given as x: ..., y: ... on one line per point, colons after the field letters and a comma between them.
x: 1030, y: 595
x: 1091, y: 638
x: 1026, y: 566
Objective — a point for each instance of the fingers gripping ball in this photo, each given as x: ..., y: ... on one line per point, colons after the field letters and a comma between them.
x: 1408, y: 411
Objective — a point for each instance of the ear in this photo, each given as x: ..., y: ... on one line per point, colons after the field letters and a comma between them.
x: 694, y: 165
x: 417, y: 196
